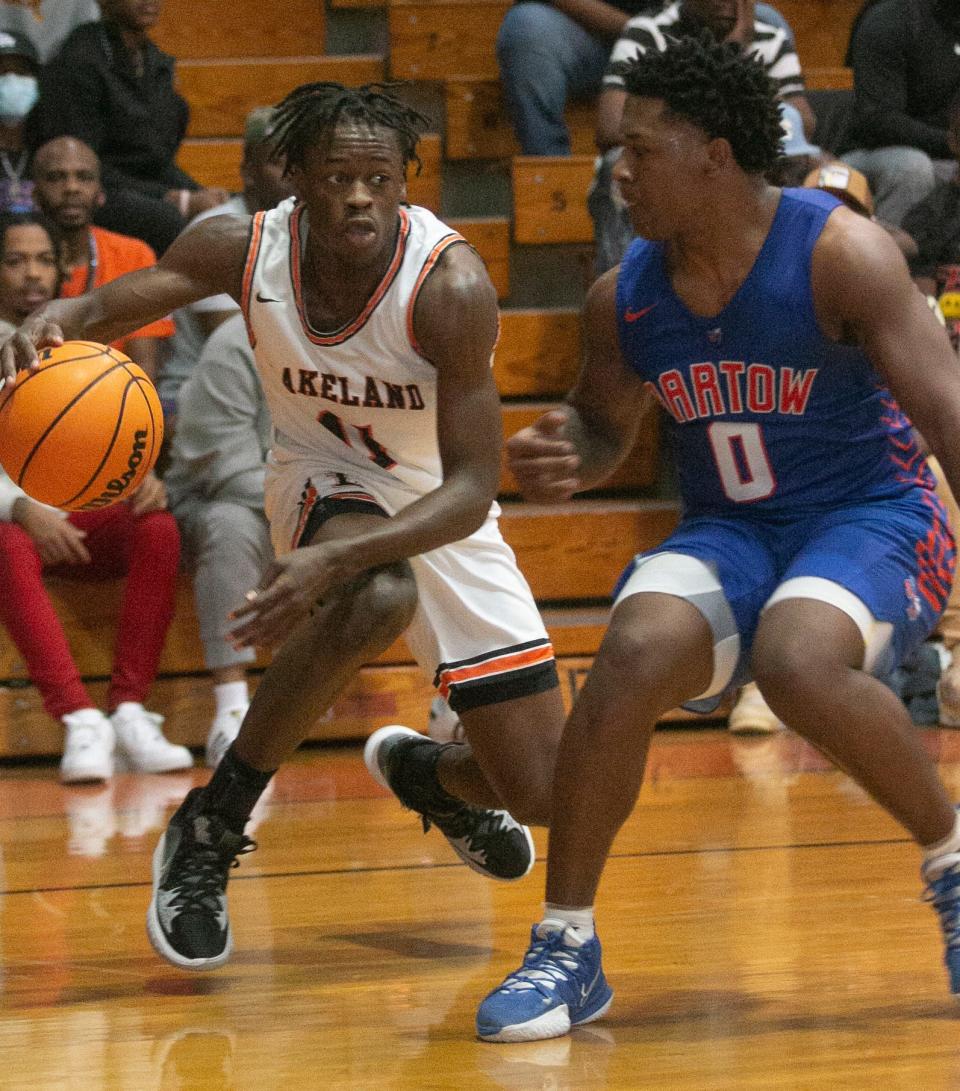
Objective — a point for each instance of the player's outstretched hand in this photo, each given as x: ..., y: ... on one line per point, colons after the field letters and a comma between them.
x: 289, y: 590
x: 542, y: 459
x: 19, y: 351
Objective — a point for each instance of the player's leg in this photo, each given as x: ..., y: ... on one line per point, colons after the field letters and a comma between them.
x: 636, y: 677
x: 807, y: 660
x: 187, y: 920
x: 514, y: 746
x: 479, y: 633
x: 860, y: 596
x: 675, y: 636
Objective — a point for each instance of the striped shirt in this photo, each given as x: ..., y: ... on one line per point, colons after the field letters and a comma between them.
x: 771, y: 45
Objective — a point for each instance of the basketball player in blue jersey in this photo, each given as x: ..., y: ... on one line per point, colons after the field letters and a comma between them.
x: 777, y: 328
x: 373, y: 326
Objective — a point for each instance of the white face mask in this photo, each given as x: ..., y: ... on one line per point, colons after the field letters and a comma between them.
x: 18, y: 96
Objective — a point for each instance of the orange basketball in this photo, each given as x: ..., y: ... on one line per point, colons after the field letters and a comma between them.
x: 83, y: 430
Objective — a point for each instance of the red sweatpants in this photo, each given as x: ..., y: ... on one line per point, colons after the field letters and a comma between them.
x: 146, y: 550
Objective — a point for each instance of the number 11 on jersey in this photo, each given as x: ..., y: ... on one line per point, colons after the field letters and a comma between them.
x: 363, y: 432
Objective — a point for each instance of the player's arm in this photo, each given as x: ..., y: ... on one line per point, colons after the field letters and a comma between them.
x: 579, y: 445
x: 864, y: 295
x: 206, y: 260
x: 455, y: 323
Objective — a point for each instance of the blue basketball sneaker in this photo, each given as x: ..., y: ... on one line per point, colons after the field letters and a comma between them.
x: 943, y: 893
x: 559, y: 986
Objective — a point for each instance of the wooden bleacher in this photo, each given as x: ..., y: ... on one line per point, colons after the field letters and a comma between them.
x: 442, y: 39
x: 550, y: 198
x: 238, y: 54
x: 478, y: 127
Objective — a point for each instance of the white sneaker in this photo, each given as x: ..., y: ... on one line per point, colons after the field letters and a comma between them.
x: 141, y: 745
x: 752, y: 715
x: 444, y: 724
x: 222, y: 732
x: 88, y: 747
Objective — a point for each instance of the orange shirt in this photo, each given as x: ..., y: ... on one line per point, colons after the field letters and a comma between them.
x: 113, y: 256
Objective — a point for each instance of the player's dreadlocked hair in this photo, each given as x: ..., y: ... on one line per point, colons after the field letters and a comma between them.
x: 309, y: 114
x: 718, y: 87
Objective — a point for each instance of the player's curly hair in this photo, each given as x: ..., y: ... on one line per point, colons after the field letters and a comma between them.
x: 308, y: 115
x: 717, y: 86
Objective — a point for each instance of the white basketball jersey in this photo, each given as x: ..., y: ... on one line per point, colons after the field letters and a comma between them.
x: 361, y: 395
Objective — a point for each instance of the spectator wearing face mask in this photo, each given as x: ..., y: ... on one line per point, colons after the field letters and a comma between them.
x: 19, y: 68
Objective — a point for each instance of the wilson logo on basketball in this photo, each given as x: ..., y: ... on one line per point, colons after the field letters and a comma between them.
x: 119, y: 485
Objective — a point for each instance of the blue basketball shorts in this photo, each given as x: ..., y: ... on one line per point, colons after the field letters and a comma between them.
x: 887, y: 563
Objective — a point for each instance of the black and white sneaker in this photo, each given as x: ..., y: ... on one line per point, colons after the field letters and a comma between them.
x: 187, y: 920
x: 491, y: 842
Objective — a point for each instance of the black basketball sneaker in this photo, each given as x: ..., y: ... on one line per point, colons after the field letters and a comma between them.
x: 187, y: 920
x: 491, y: 842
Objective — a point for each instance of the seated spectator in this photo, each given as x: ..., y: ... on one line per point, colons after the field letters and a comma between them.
x: 934, y: 223
x: 19, y: 69
x: 548, y: 56
x: 137, y: 538
x: 264, y: 186
x: 906, y: 72
x: 550, y: 53
x: 111, y: 87
x: 47, y: 23
x: 67, y: 188
x: 215, y: 482
x: 730, y: 20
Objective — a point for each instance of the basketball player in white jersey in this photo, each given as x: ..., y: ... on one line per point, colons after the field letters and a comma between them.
x: 373, y: 326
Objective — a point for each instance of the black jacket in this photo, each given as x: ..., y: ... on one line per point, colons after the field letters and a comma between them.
x: 935, y: 226
x: 135, y: 124
x: 906, y: 70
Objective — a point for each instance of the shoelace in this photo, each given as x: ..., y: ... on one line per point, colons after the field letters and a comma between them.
x: 943, y: 893
x: 545, y: 966
x: 207, y: 867
x: 480, y: 829
x: 145, y: 729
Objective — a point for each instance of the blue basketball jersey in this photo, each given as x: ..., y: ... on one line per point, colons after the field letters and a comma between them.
x: 769, y: 417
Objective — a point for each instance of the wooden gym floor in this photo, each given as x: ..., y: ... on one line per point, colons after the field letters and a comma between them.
x: 760, y: 917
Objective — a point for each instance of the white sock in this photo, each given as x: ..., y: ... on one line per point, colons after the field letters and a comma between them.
x: 230, y: 695
x: 579, y: 921
x: 949, y: 846
x: 127, y: 709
